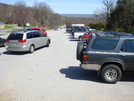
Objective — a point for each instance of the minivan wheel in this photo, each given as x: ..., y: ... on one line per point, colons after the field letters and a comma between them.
x: 31, y: 49
x: 111, y: 73
x: 47, y: 44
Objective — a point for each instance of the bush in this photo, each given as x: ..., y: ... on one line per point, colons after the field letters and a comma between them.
x: 97, y: 26
x: 120, y: 30
x: 130, y: 30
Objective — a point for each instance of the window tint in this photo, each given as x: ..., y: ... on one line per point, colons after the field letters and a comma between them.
x: 29, y: 35
x: 104, y: 43
x: 128, y: 46
x: 15, y: 36
x: 88, y: 33
x: 42, y: 34
x: 80, y: 30
x: 36, y: 34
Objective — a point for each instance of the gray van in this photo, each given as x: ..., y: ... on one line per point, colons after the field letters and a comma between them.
x: 27, y: 40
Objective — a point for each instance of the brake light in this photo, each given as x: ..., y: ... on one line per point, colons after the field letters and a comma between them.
x: 84, y: 57
x: 22, y: 41
x: 7, y: 41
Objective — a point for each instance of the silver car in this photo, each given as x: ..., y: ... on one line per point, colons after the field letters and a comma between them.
x: 27, y: 40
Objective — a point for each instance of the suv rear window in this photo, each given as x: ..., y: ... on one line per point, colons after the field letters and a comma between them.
x: 15, y: 36
x: 104, y: 43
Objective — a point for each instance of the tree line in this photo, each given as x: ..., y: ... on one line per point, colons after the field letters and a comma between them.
x: 122, y: 16
x: 40, y: 14
x: 118, y: 16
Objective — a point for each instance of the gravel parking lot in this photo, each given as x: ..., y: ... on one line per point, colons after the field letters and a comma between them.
x: 53, y: 74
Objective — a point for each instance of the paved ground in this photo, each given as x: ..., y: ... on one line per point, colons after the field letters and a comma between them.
x: 53, y: 74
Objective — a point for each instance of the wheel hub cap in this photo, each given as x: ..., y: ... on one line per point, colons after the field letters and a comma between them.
x: 111, y: 74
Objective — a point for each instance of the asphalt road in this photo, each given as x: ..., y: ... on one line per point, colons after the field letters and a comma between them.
x: 53, y: 74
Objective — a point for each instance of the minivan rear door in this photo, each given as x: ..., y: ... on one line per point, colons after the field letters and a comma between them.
x: 14, y: 38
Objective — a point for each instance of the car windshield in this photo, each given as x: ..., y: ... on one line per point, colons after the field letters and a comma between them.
x: 15, y: 36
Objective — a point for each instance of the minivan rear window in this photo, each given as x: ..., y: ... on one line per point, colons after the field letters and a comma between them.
x: 15, y: 36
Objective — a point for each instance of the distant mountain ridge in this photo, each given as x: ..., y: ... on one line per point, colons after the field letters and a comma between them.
x: 79, y: 15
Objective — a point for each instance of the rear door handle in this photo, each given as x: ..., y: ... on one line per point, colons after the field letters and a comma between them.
x: 123, y: 55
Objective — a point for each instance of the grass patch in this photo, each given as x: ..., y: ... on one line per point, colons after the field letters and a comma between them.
x: 3, y: 34
x: 8, y: 27
x: 14, y: 30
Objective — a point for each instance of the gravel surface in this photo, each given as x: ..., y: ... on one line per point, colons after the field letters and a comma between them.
x: 53, y: 74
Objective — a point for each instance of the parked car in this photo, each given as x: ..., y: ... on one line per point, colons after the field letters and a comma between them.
x: 68, y: 29
x: 27, y: 40
x: 40, y: 29
x: 109, y: 55
x: 56, y: 28
x: 92, y: 29
x: 78, y: 32
x: 2, y: 41
x: 89, y: 33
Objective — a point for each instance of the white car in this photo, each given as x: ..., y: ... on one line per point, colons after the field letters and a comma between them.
x: 77, y: 33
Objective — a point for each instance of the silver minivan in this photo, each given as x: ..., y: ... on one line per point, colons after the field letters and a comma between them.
x: 27, y: 40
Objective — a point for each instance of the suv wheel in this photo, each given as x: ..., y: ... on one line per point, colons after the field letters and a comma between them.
x: 31, y: 49
x: 111, y: 73
x: 80, y: 47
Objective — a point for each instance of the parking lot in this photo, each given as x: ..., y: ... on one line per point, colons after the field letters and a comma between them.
x: 53, y: 74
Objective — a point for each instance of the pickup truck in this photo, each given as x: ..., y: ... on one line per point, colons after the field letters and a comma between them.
x: 109, y: 55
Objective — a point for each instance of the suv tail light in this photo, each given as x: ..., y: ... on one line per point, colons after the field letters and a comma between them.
x: 22, y: 41
x: 7, y: 41
x: 84, y: 57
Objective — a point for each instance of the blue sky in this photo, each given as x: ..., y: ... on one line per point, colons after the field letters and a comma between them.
x: 66, y: 6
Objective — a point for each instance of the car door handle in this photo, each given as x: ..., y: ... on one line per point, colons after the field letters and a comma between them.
x: 123, y: 55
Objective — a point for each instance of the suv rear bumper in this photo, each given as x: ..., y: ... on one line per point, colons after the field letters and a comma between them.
x: 90, y: 66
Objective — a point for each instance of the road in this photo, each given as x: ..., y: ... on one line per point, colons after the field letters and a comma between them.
x: 53, y: 74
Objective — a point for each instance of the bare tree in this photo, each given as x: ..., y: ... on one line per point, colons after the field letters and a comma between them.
x: 106, y: 9
x: 22, y: 12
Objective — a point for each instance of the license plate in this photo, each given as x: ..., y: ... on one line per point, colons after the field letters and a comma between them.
x: 13, y: 43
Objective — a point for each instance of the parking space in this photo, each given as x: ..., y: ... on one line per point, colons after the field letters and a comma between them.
x: 53, y: 74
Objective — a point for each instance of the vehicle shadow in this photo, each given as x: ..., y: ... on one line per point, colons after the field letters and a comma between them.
x: 127, y: 77
x: 78, y: 73
x: 21, y: 53
x: 14, y: 53
x: 72, y: 39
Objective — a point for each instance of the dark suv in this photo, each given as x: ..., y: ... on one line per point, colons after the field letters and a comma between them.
x: 109, y: 55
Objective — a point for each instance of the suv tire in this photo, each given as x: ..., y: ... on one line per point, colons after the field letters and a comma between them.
x: 80, y: 47
x: 111, y: 73
x: 31, y: 49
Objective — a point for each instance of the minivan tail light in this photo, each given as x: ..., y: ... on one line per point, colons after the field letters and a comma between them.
x: 84, y: 57
x: 7, y: 41
x: 22, y: 41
